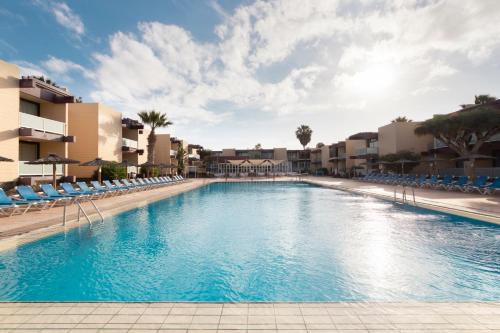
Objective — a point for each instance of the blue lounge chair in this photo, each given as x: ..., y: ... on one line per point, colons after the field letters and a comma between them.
x: 26, y: 193
x: 96, y: 185
x: 458, y: 184
x: 9, y: 207
x: 493, y: 187
x: 443, y: 184
x: 111, y: 187
x: 51, y: 192
x: 419, y: 181
x: 121, y: 185
x: 85, y: 188
x: 132, y: 185
x: 431, y: 182
x: 137, y: 183
x: 477, y: 185
x: 70, y: 190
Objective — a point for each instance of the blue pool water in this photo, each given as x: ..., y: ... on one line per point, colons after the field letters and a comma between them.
x: 261, y: 242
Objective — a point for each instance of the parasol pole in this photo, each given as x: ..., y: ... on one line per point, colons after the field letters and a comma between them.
x: 54, y: 175
x: 99, y: 175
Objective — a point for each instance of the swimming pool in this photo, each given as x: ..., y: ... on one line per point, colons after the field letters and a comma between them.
x: 261, y: 242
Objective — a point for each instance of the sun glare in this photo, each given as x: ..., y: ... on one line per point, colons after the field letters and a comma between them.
x: 375, y: 80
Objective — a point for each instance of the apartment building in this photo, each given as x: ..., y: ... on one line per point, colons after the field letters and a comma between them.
x: 320, y: 160
x: 176, y: 143
x: 34, y: 123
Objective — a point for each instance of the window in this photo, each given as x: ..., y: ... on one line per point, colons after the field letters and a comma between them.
x: 28, y: 151
x: 30, y: 107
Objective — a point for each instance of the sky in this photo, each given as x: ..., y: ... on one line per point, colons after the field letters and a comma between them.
x: 231, y: 74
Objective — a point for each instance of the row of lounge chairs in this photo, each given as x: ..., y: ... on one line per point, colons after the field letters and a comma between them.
x: 28, y: 199
x: 481, y: 184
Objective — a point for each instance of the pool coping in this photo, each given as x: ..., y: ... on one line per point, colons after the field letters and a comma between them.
x: 10, y: 242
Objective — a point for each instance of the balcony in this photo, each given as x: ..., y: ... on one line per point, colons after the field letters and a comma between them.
x: 38, y: 170
x: 194, y: 156
x: 367, y: 151
x: 173, y: 153
x: 41, y: 124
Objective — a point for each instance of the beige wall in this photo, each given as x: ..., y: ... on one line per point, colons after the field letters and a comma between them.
x: 98, y: 131
x: 162, y: 148
x: 82, y: 123
x: 280, y: 154
x: 110, y: 134
x: 325, y: 156
x: 9, y: 124
x: 351, y: 146
x: 229, y: 152
x: 396, y: 137
x: 143, y: 144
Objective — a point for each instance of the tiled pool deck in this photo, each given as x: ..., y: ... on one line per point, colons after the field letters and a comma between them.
x: 253, y: 317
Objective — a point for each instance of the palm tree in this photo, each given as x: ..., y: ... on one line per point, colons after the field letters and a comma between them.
x: 155, y: 120
x: 304, y: 133
x: 257, y: 146
x: 401, y: 120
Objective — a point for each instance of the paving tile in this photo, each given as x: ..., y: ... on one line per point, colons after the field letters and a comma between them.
x: 287, y: 311
x: 173, y: 319
x: 235, y: 311
x: 96, y: 319
x: 193, y: 326
x: 124, y: 319
x: 317, y: 319
x: 252, y: 320
x: 258, y: 311
x: 290, y: 326
x: 314, y: 311
x: 205, y: 319
x: 233, y: 319
x: 71, y: 319
x: 131, y: 311
x: 82, y: 310
x: 290, y: 320
x: 212, y: 311
x: 152, y: 319
x: 183, y: 311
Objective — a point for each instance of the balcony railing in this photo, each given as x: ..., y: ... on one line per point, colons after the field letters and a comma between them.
x: 367, y: 151
x: 41, y: 124
x: 194, y: 156
x: 129, y: 143
x: 38, y: 170
x: 173, y: 152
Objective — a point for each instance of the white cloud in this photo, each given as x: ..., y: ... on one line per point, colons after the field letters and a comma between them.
x: 64, y: 15
x: 64, y: 68
x: 332, y: 55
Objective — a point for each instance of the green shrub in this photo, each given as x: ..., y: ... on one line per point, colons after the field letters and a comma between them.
x: 112, y: 171
x: 153, y: 172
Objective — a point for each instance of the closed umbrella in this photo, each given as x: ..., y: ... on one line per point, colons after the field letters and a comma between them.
x: 99, y: 163
x: 53, y: 159
x: 5, y: 159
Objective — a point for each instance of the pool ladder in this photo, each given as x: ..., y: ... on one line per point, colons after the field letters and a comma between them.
x: 404, y: 198
x: 81, y: 210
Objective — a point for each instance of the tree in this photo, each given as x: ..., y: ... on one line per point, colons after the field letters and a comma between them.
x: 464, y: 131
x: 258, y: 146
x: 304, y: 133
x: 320, y: 145
x: 483, y: 99
x: 155, y: 120
x: 181, y: 157
x: 401, y: 120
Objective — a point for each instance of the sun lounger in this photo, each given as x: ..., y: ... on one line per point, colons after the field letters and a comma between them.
x: 458, y: 184
x: 85, y: 188
x: 9, y: 206
x: 443, y: 184
x: 27, y: 193
x: 69, y: 189
x: 96, y: 185
x: 132, y: 185
x: 51, y: 192
x: 111, y: 187
x: 119, y: 185
x: 477, y: 185
x: 492, y: 188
